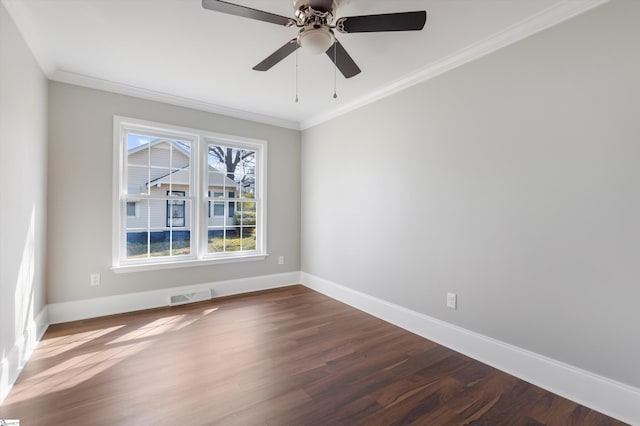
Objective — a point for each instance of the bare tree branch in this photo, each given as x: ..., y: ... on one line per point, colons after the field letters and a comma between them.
x: 231, y: 159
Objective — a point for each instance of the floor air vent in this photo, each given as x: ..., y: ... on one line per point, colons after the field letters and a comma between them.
x: 196, y: 296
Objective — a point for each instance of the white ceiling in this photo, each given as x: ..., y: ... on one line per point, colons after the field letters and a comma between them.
x: 176, y: 51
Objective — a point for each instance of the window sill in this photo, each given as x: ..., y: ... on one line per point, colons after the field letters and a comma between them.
x: 140, y: 267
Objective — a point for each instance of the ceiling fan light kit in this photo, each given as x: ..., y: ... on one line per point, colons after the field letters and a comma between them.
x: 316, y: 40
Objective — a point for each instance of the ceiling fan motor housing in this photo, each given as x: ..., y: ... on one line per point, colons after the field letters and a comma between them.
x: 315, y: 35
x: 306, y: 4
x: 320, y: 16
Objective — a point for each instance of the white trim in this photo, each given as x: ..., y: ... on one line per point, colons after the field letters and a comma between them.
x: 97, y: 307
x: 172, y: 263
x: 549, y: 17
x: 11, y: 365
x: 116, y: 189
x: 124, y: 89
x: 607, y: 396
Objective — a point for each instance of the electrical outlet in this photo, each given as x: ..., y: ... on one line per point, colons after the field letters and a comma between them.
x: 452, y: 300
x: 94, y: 279
x: 280, y: 260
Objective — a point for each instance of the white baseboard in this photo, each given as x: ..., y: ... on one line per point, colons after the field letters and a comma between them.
x: 14, y: 361
x: 91, y: 308
x: 607, y: 396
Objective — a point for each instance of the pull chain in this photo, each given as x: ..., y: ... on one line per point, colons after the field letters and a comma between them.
x: 297, y: 75
x: 335, y: 70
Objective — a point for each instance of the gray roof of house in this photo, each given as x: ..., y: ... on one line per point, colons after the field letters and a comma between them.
x: 181, y: 177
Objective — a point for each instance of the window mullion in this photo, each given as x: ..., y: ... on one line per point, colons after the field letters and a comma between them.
x: 198, y: 227
x: 171, y: 203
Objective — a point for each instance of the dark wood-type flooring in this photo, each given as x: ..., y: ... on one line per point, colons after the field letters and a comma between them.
x: 283, y: 357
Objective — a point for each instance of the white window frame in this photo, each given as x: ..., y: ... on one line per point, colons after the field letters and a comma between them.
x: 198, y: 214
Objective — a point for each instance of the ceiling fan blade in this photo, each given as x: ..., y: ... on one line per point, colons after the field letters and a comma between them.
x: 404, y: 21
x: 286, y: 50
x: 321, y: 5
x: 246, y: 12
x: 343, y: 61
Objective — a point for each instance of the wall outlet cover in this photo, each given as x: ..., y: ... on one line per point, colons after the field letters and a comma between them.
x: 94, y: 279
x: 452, y: 300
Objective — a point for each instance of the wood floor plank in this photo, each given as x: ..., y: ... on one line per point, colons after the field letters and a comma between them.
x: 287, y: 356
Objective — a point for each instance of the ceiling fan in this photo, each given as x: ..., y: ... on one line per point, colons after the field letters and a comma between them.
x: 314, y: 18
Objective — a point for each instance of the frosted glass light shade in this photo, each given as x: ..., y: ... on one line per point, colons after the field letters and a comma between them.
x: 316, y: 40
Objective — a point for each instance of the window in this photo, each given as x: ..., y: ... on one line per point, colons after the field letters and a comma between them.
x: 184, y: 196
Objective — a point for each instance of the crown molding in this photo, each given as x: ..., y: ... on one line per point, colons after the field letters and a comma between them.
x: 547, y: 18
x: 124, y: 89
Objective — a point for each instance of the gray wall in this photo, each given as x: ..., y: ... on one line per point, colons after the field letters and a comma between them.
x: 23, y: 170
x: 512, y: 181
x: 80, y: 194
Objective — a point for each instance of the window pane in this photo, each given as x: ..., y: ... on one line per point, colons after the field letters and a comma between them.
x: 232, y: 205
x: 138, y: 149
x: 216, y: 241
x: 232, y: 239
x: 137, y: 232
x: 137, y: 245
x: 219, y: 182
x: 249, y: 238
x: 157, y: 215
x: 131, y: 208
x: 159, y: 243
x: 216, y: 158
x: 246, y: 214
x: 222, y: 164
x: 245, y: 174
x: 218, y: 208
x: 181, y: 243
x: 138, y: 177
x: 176, y: 210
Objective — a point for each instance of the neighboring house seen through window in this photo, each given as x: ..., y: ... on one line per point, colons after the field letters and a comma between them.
x: 232, y: 205
x: 131, y: 209
x: 218, y: 206
x: 175, y: 210
x: 186, y: 195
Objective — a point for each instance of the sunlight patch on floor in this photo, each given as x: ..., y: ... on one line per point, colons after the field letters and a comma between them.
x: 73, y: 372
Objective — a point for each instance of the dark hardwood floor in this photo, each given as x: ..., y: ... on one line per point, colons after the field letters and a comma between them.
x: 284, y: 357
